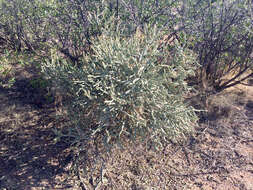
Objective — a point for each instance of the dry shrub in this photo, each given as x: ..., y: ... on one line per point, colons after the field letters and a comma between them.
x: 124, y: 89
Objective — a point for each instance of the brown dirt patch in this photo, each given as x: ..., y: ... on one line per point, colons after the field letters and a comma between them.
x: 29, y: 156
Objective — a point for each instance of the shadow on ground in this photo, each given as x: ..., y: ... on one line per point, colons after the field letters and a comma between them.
x: 249, y: 109
x: 29, y: 157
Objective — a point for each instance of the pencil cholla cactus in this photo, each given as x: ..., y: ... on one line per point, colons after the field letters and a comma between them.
x: 129, y: 86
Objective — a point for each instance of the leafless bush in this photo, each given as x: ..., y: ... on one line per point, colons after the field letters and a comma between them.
x: 220, y: 32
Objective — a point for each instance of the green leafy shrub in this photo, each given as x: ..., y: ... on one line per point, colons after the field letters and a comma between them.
x: 130, y: 86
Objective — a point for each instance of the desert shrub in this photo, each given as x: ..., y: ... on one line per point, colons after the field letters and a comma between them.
x: 138, y: 13
x: 64, y: 24
x: 9, y: 26
x: 38, y: 25
x: 129, y: 86
x: 220, y: 32
x: 74, y: 23
x: 23, y: 24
